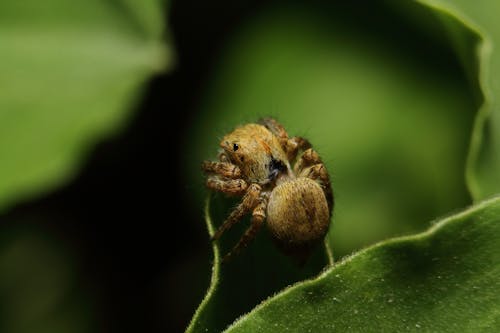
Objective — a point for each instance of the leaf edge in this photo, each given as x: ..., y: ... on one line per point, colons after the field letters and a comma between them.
x: 214, y: 278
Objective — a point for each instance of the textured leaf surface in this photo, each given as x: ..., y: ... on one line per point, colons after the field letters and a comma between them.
x: 70, y: 72
x: 444, y: 280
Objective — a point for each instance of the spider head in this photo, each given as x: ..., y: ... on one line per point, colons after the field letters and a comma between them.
x: 256, y: 151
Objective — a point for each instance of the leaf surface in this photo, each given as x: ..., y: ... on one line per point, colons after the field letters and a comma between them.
x: 443, y: 280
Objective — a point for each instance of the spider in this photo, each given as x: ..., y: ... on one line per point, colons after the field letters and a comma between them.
x: 296, y: 204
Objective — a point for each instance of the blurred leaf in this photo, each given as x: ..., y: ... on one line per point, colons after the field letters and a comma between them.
x: 444, y: 280
x: 71, y: 72
x: 483, y: 61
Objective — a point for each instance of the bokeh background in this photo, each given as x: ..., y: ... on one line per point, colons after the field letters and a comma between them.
x: 119, y: 245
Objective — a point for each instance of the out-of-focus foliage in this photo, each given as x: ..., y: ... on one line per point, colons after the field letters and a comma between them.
x: 392, y: 129
x: 70, y: 72
x: 38, y: 286
x: 395, y: 132
x: 484, y: 162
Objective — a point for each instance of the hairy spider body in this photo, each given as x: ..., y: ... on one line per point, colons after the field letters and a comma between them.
x: 298, y: 216
x: 255, y: 162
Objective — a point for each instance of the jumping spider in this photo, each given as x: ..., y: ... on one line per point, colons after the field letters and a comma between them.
x: 255, y: 163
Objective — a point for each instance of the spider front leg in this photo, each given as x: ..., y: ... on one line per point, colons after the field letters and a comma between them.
x: 310, y: 166
x: 258, y: 217
x: 224, y: 169
x: 228, y: 186
x: 248, y: 203
x: 294, y: 145
x: 308, y: 158
x: 225, y: 177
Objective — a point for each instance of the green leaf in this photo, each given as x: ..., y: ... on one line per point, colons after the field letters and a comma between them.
x: 444, y: 280
x: 71, y: 73
x: 483, y: 61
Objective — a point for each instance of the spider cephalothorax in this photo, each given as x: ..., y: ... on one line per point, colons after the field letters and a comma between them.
x: 255, y: 162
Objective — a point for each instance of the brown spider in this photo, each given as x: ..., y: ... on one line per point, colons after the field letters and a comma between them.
x: 255, y: 163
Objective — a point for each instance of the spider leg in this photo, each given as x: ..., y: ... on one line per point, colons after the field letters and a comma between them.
x: 223, y: 157
x: 293, y: 145
x: 307, y: 159
x: 228, y: 186
x: 249, y: 201
x: 258, y: 216
x: 290, y: 145
x: 224, y: 169
x: 310, y: 166
x: 276, y: 128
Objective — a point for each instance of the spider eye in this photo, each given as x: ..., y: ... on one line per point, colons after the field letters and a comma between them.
x: 235, y: 146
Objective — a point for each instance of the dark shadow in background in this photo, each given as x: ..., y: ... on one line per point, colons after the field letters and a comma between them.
x: 143, y: 251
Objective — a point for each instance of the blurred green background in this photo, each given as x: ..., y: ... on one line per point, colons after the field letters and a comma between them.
x: 107, y: 109
x: 380, y: 95
x: 390, y: 116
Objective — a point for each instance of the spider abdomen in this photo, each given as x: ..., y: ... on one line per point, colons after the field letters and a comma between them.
x: 298, y: 215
